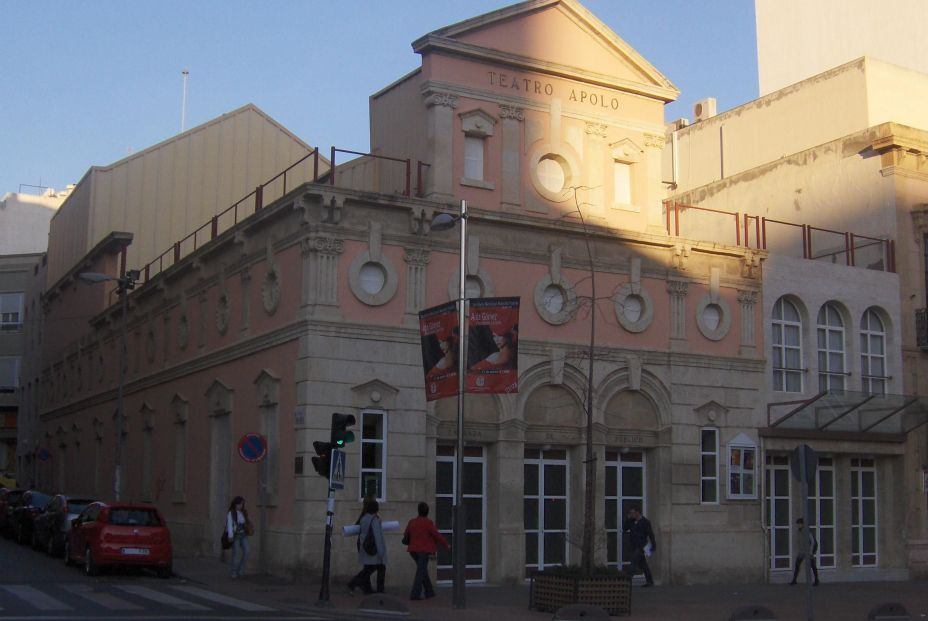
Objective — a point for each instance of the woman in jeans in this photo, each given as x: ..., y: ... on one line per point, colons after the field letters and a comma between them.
x: 237, y: 528
x: 422, y: 536
x: 370, y: 522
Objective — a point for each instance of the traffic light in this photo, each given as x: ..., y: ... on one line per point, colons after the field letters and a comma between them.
x: 323, y: 458
x: 340, y: 434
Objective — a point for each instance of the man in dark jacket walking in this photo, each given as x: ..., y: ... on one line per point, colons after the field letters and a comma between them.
x: 640, y: 535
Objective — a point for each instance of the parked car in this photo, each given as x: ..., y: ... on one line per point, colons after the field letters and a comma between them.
x: 119, y: 534
x: 8, y: 499
x: 52, y: 525
x: 30, y: 505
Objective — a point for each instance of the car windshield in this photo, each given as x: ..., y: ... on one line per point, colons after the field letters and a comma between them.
x: 134, y: 517
x: 39, y: 500
x: 76, y: 505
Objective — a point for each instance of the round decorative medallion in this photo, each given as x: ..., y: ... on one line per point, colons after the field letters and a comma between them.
x: 183, y: 331
x: 222, y: 313
x: 270, y: 290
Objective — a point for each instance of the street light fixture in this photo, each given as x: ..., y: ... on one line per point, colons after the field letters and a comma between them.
x: 124, y: 284
x: 444, y: 222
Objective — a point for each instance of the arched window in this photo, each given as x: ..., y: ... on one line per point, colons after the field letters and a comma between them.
x: 830, y: 349
x: 873, y: 354
x: 786, y: 349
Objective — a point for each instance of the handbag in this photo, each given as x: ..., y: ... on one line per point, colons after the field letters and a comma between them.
x: 224, y: 540
x: 249, y: 527
x: 406, y: 538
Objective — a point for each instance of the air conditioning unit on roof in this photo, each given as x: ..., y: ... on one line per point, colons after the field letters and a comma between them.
x: 704, y: 109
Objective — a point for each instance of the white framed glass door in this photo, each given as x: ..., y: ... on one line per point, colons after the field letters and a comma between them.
x: 474, y: 479
x: 625, y: 488
x: 546, y: 515
x: 777, y: 508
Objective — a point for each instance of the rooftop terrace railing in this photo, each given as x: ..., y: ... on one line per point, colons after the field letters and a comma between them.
x: 815, y: 243
x: 254, y: 201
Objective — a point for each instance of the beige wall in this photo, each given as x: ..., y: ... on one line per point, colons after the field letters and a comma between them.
x: 167, y: 191
x: 797, y: 39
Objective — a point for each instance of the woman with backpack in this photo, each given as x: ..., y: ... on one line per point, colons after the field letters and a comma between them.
x: 372, y: 551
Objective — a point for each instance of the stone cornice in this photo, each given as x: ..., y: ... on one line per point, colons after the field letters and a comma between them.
x: 432, y: 42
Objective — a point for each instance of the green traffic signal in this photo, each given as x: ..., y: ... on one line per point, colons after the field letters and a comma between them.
x: 340, y: 435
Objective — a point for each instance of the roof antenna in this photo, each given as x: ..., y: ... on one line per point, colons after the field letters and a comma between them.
x: 183, y: 104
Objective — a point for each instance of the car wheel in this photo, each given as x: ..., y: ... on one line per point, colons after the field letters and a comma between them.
x: 67, y: 553
x: 90, y: 567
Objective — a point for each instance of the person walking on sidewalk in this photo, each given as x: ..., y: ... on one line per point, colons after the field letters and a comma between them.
x: 643, y: 544
x: 372, y: 551
x: 238, y: 529
x: 421, y: 538
x: 813, y: 549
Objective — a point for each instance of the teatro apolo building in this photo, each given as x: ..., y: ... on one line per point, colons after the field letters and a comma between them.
x: 552, y: 129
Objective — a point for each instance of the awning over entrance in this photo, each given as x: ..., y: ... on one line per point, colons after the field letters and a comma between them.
x: 850, y: 411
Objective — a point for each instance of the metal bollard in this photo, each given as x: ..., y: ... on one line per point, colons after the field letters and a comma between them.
x: 889, y: 611
x: 752, y: 613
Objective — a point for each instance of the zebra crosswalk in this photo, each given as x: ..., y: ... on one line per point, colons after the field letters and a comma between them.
x: 54, y: 598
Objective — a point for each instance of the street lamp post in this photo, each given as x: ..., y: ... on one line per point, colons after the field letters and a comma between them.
x: 442, y: 222
x: 124, y: 284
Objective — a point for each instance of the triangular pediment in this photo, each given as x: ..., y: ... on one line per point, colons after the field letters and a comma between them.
x: 555, y: 36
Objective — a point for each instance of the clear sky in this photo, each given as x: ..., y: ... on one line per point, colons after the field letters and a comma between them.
x: 87, y: 82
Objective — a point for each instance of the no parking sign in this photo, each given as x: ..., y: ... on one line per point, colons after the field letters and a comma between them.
x: 252, y: 447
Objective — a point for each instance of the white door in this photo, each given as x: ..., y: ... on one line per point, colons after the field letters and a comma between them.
x: 625, y: 488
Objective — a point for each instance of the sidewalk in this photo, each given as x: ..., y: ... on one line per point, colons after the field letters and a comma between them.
x: 845, y: 601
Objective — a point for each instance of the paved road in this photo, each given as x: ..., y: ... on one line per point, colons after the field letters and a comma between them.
x: 35, y: 586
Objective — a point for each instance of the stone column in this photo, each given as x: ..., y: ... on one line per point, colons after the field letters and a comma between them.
x: 320, y: 275
x: 513, y: 117
x: 245, y: 275
x: 747, y: 299
x: 440, y: 138
x: 505, y: 560
x: 594, y: 157
x: 417, y: 259
x: 678, y: 290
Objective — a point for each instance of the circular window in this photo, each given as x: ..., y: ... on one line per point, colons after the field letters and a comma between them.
x: 712, y: 316
x: 554, y: 299
x: 372, y: 277
x: 633, y: 307
x: 472, y: 287
x: 552, y: 173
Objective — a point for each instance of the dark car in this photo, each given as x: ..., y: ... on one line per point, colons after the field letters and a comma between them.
x: 52, y: 525
x: 8, y: 500
x: 119, y: 534
x: 30, y: 505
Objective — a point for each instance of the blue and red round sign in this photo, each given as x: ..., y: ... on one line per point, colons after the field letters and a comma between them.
x: 252, y: 447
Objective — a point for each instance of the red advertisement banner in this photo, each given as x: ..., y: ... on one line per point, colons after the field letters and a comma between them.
x: 440, y: 336
x: 492, y: 346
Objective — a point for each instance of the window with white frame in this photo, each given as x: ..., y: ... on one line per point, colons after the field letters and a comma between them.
x: 622, y: 178
x: 863, y: 513
x: 742, y: 465
x: 830, y: 348
x: 373, y: 454
x: 473, y: 158
x: 786, y: 349
x: 822, y: 505
x: 873, y: 354
x: 11, y: 311
x: 9, y: 373
x: 778, y: 511
x: 709, y: 465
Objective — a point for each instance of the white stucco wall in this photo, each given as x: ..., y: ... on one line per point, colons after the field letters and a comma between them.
x: 24, y: 221
x: 797, y: 39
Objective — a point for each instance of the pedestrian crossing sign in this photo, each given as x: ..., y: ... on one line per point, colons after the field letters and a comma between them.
x: 337, y: 469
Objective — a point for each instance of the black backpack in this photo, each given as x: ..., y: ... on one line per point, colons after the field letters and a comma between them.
x: 370, y: 543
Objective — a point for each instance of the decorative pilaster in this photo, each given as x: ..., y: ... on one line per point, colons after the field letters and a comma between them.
x: 245, y: 276
x: 512, y: 118
x: 678, y: 290
x: 417, y: 259
x: 440, y: 138
x: 320, y: 275
x: 594, y: 152
x: 747, y: 300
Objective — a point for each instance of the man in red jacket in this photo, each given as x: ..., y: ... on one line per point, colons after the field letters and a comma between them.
x: 420, y: 539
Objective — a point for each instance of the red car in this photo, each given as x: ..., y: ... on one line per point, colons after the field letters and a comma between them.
x: 119, y: 534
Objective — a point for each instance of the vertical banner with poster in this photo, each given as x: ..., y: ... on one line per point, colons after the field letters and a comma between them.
x: 492, y: 346
x: 440, y: 336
